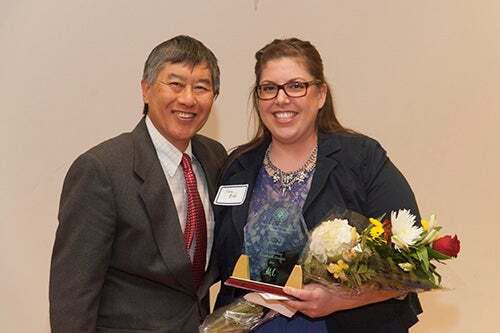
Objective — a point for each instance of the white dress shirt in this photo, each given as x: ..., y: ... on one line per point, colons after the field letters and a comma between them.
x: 170, y: 159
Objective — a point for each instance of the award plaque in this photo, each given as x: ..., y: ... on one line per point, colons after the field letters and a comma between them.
x: 274, y: 241
x: 241, y: 279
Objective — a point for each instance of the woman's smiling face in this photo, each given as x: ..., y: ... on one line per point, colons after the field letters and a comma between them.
x: 290, y: 119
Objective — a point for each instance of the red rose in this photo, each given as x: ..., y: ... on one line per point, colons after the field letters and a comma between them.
x: 447, y: 245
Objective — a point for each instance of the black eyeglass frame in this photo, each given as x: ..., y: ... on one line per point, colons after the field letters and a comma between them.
x: 282, y: 87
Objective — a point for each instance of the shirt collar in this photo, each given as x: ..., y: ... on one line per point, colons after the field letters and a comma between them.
x: 168, y: 154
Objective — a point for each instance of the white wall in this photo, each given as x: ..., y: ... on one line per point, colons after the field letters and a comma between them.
x: 420, y: 76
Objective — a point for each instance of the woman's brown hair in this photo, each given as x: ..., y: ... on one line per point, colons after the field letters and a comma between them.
x: 303, y: 51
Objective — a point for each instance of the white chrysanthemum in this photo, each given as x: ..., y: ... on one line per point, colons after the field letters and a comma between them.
x: 331, y: 239
x: 404, y: 231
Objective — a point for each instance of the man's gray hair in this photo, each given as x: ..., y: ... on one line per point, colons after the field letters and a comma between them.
x: 180, y: 49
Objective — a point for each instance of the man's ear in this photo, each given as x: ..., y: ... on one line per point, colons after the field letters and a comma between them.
x: 145, y: 91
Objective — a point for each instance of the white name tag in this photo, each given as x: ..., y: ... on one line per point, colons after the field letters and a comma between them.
x: 231, y: 195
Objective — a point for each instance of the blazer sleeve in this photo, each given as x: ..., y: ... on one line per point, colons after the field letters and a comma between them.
x: 386, y: 188
x: 82, y: 247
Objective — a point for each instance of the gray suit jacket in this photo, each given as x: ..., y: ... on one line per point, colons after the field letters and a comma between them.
x: 118, y: 262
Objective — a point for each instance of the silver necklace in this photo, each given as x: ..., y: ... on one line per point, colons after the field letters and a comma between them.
x: 286, y: 180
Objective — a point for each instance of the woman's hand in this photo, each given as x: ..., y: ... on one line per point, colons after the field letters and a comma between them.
x: 316, y: 300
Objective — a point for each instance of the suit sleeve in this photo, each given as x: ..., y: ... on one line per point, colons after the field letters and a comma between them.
x: 386, y: 188
x: 82, y: 246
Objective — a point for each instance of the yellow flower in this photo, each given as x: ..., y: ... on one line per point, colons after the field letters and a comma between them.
x: 425, y: 224
x: 338, y: 269
x: 431, y: 230
x: 429, y: 225
x: 377, y: 229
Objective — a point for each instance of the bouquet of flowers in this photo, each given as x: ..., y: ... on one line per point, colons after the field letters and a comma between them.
x: 350, y: 250
x: 394, y: 253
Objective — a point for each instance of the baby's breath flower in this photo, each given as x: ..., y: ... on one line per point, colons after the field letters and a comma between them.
x: 406, y: 266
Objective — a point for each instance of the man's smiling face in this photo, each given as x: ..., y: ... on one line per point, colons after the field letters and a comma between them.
x: 179, y: 101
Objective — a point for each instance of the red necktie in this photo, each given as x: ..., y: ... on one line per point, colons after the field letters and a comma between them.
x: 196, y: 227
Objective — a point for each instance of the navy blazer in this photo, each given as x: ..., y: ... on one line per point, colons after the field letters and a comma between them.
x: 352, y: 171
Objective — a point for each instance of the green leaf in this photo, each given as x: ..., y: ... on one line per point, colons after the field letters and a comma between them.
x: 433, y: 254
x: 423, y: 257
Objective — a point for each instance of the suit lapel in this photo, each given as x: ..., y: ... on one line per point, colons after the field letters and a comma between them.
x: 161, y: 209
x: 251, y: 164
x: 203, y: 155
x: 324, y: 166
x: 240, y: 213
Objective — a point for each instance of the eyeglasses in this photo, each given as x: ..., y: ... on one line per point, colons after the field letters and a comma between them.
x: 269, y: 91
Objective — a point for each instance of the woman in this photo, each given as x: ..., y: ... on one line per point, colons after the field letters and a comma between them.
x: 302, y: 158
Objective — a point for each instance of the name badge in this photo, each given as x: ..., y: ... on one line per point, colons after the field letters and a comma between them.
x: 231, y: 195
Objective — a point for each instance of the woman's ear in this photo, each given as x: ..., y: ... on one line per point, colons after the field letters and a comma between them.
x: 323, y: 89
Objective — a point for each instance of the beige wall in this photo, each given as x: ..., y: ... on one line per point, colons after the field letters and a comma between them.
x: 421, y: 76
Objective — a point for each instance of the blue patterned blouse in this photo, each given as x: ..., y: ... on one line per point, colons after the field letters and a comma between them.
x: 275, y: 234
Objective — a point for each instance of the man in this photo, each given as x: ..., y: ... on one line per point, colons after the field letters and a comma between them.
x: 132, y: 250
